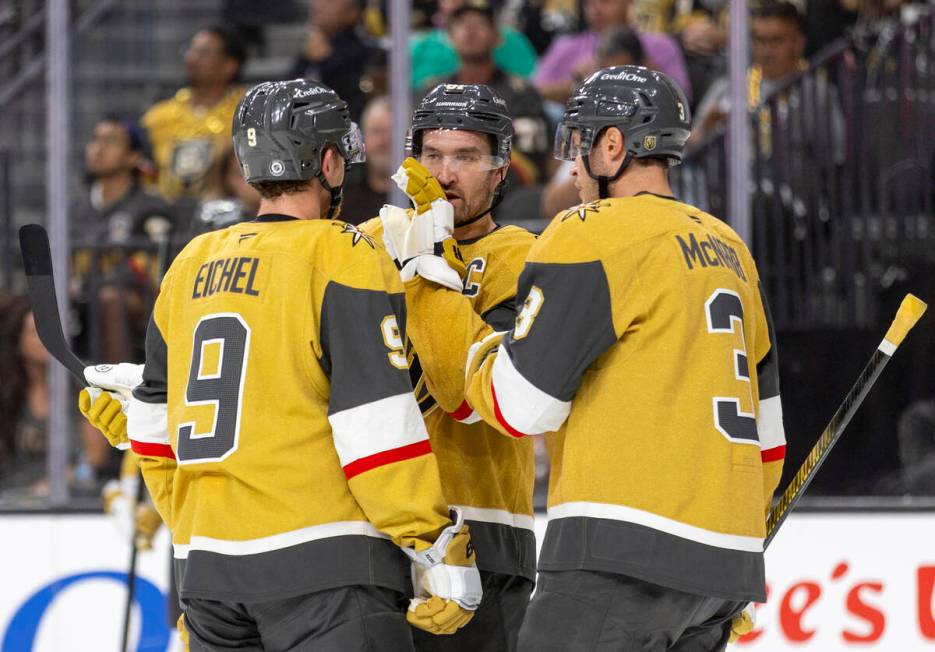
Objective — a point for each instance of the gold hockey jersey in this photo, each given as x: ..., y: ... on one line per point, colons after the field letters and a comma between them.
x: 488, y: 476
x: 644, y: 341
x: 276, y: 423
x: 189, y: 144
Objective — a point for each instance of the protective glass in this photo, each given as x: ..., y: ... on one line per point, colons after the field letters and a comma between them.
x: 353, y: 148
x: 571, y: 141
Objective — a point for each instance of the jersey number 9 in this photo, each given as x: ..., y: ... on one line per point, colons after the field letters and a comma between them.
x: 218, y: 369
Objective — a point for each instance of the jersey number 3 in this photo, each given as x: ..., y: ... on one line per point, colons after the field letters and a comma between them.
x: 724, y: 313
x: 216, y: 378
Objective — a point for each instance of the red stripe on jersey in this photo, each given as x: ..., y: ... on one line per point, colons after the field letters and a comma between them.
x: 152, y: 450
x: 496, y: 412
x: 387, y: 457
x: 463, y: 412
x: 773, y: 454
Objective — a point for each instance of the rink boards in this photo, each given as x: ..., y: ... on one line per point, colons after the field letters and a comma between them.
x: 856, y: 581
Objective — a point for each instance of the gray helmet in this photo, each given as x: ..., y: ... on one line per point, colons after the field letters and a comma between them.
x: 467, y: 107
x: 645, y: 105
x: 281, y: 129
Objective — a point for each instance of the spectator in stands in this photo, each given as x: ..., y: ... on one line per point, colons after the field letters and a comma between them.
x: 700, y: 27
x: 434, y: 55
x: 335, y: 53
x: 191, y: 132
x: 474, y: 35
x: 572, y: 57
x: 367, y: 186
x: 24, y: 414
x: 114, y: 265
x: 24, y: 400
x: 778, y: 48
x: 917, y: 448
x: 117, y: 207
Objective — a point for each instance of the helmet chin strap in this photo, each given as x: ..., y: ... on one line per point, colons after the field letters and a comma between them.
x: 336, y: 193
x: 497, y: 198
x: 603, y: 181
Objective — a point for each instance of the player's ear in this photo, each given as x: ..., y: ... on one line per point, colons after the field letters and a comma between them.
x: 616, y: 144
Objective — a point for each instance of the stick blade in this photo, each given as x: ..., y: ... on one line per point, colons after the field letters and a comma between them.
x: 34, y: 245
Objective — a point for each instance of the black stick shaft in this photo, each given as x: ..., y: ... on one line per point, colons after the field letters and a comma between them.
x: 826, y: 441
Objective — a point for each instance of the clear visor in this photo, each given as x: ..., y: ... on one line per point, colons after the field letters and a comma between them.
x: 464, y: 161
x: 352, y: 146
x: 567, y: 143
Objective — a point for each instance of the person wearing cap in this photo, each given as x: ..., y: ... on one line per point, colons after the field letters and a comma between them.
x: 433, y: 55
x: 644, y: 350
x: 115, y: 229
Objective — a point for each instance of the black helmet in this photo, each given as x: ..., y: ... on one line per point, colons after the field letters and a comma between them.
x: 281, y: 129
x: 645, y: 105
x: 468, y: 107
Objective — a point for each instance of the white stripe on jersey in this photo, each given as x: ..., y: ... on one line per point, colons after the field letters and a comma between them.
x: 769, y: 424
x: 501, y: 516
x: 147, y: 422
x: 656, y: 522
x: 378, y: 426
x: 524, y: 406
x: 277, y: 541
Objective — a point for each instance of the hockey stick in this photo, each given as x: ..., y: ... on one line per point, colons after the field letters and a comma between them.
x: 37, y: 263
x: 910, y: 310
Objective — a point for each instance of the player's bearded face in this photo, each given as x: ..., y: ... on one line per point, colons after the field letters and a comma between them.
x: 461, y: 161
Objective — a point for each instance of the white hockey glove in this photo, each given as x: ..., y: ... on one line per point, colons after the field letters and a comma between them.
x: 417, y: 244
x: 427, y: 196
x: 743, y: 623
x: 446, y: 582
x: 104, y: 403
x: 140, y: 521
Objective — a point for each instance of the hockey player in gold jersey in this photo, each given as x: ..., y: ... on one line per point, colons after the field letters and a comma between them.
x: 276, y: 424
x: 462, y: 135
x: 645, y: 346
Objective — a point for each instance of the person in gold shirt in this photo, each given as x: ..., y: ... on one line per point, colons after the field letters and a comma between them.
x: 276, y: 425
x: 190, y: 133
x: 644, y: 347
x: 462, y: 134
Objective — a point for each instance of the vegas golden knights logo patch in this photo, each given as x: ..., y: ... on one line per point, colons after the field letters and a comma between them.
x: 649, y: 143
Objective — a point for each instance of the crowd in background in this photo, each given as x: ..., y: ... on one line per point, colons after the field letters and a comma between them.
x: 158, y: 179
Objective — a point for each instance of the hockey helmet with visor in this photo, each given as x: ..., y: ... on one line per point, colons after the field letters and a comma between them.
x: 648, y: 108
x: 281, y: 130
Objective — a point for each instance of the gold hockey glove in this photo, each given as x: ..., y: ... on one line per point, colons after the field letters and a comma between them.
x: 446, y: 582
x: 418, y: 184
x: 104, y: 403
x: 743, y: 623
x: 424, y: 191
x: 142, y: 521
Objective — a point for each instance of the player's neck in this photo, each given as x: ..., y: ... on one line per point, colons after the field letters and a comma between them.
x: 305, y: 205
x: 637, y: 179
x: 474, y: 230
